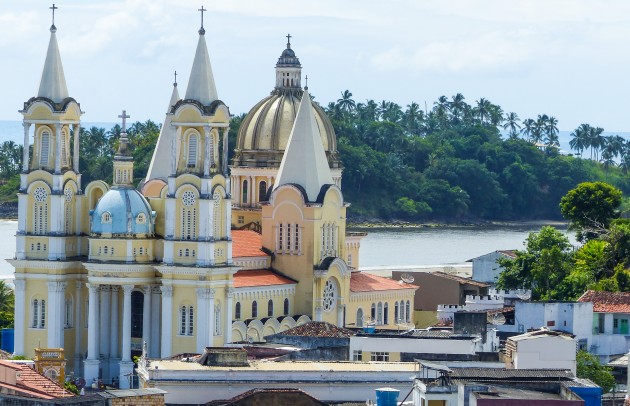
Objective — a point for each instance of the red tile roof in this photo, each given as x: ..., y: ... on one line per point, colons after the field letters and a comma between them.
x: 259, y: 277
x: 247, y: 243
x: 607, y: 302
x: 318, y: 329
x: 34, y: 384
x: 365, y: 282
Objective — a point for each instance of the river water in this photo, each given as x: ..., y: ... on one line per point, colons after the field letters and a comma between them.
x: 424, y: 247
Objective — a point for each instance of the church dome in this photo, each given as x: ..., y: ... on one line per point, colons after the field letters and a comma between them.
x: 122, y: 211
x: 265, y: 130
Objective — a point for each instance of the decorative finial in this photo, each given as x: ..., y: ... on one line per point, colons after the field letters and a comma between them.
x: 53, y: 8
x: 202, y: 31
x: 124, y: 117
x: 306, y: 85
x: 288, y: 41
x: 175, y: 83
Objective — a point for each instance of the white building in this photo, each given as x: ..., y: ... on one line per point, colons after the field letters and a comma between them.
x: 542, y: 349
x: 485, y: 267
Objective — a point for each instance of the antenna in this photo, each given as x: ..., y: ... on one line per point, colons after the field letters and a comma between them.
x: 497, y: 319
x: 407, y: 278
x: 524, y: 294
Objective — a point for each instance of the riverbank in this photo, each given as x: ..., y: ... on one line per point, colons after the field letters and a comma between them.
x: 397, y: 224
x: 8, y: 211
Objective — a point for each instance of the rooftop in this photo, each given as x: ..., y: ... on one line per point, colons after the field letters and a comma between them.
x: 461, y: 280
x: 607, y: 302
x: 365, y: 282
x: 318, y: 329
x: 297, y: 394
x: 260, y: 277
x: 32, y: 383
x: 542, y: 333
x: 501, y: 374
x: 504, y: 392
x: 247, y: 243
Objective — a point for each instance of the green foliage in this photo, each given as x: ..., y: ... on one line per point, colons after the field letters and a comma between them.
x: 541, y: 267
x: 7, y: 302
x: 590, y: 208
x: 71, y: 387
x: 589, y: 367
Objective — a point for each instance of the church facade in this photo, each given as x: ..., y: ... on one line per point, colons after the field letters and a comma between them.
x: 100, y: 269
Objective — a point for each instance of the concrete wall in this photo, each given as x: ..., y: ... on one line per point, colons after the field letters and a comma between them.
x: 307, y: 342
x: 435, y: 290
x: 545, y: 352
x: 318, y: 354
x: 412, y: 345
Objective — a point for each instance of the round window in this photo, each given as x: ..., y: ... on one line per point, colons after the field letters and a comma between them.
x: 40, y: 194
x: 330, y: 295
x: 188, y: 198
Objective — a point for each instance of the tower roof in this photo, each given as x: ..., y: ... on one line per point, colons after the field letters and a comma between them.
x: 159, y: 167
x: 288, y: 58
x: 53, y: 83
x: 304, y: 162
x: 201, y: 85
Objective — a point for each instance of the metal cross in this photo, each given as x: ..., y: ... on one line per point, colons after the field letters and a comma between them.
x: 306, y: 81
x: 288, y: 40
x: 53, y: 8
x: 175, y: 78
x: 203, y: 10
x: 124, y: 117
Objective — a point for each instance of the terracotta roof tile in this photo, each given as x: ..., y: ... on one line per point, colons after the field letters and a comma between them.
x: 247, y: 243
x: 607, y: 302
x: 32, y: 381
x: 318, y: 329
x: 365, y: 282
x: 259, y: 277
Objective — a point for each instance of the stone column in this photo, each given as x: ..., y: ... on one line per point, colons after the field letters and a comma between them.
x: 113, y: 332
x: 201, y: 319
x: 105, y: 319
x: 58, y: 149
x: 92, y: 362
x: 167, y: 321
x: 154, y: 345
x: 78, y: 326
x: 318, y: 313
x: 174, y: 154
x: 146, y: 315
x: 211, y: 320
x: 27, y: 140
x: 126, y: 365
x: 55, y: 322
x: 206, y: 159
x: 229, y: 299
x: 75, y: 153
x: 20, y: 317
x: 340, y: 311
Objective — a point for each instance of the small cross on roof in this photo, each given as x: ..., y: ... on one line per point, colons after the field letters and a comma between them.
x: 124, y: 117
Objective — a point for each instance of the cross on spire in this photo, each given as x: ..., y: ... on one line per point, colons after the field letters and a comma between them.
x: 124, y: 117
x: 53, y: 8
x: 203, y: 10
x: 175, y: 83
x: 306, y: 85
x: 288, y: 40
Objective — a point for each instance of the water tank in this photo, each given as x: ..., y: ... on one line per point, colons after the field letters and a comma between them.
x: 7, y: 339
x: 387, y: 397
x: 369, y: 329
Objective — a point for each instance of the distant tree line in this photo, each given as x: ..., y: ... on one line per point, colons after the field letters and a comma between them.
x: 447, y: 162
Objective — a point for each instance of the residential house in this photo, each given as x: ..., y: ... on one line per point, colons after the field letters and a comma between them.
x: 541, y: 349
x: 485, y: 267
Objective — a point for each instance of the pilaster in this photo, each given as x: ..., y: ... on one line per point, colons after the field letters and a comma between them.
x: 20, y: 316
x: 167, y: 321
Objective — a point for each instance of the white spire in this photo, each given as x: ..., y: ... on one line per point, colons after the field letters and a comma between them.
x: 304, y: 161
x: 201, y: 85
x: 53, y: 84
x: 159, y: 168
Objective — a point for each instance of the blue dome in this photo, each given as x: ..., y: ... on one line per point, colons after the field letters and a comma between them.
x: 122, y: 211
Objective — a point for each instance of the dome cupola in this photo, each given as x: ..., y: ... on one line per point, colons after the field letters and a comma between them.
x: 122, y: 212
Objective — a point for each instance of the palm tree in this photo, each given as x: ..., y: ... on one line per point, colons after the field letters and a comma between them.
x: 412, y: 117
x: 596, y: 141
x: 625, y: 162
x: 511, y: 122
x: 496, y: 115
x: 483, y: 110
x: 528, y: 129
x: 551, y: 128
x: 580, y: 141
x: 608, y: 161
x: 457, y: 107
x: 346, y: 103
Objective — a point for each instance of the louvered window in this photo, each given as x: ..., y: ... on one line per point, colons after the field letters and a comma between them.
x: 192, y: 151
x: 44, y: 150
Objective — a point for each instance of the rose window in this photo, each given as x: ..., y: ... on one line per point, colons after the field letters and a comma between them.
x: 40, y: 194
x: 68, y: 194
x: 188, y: 198
x: 330, y: 295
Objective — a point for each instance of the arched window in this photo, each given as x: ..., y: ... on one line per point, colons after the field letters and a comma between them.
x: 385, y: 313
x: 64, y: 148
x: 373, y: 312
x: 254, y: 309
x: 262, y: 191
x: 408, y: 312
x: 286, y: 307
x: 402, y: 311
x: 40, y: 211
x: 296, y: 240
x: 189, y: 216
x: 217, y: 216
x: 270, y: 308
x: 360, y: 317
x: 245, y: 191
x: 35, y: 313
x: 106, y: 218
x: 217, y: 319
x: 396, y: 313
x: 44, y: 150
x: 190, y: 320
x: 237, y: 311
x: 186, y: 314
x: 379, y: 313
x: 192, y: 151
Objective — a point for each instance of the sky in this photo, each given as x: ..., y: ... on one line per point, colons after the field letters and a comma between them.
x: 565, y: 58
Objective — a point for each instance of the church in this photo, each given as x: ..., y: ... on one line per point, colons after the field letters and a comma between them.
x: 200, y: 253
